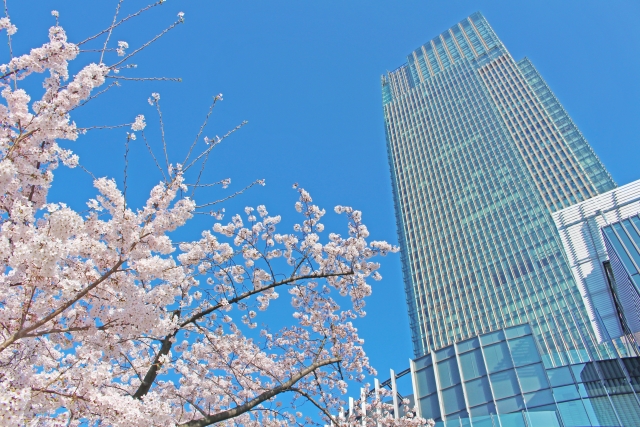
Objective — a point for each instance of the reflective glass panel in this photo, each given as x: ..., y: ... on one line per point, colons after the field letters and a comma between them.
x: 482, y: 410
x: 538, y: 398
x: 585, y: 372
x: 600, y: 412
x: 517, y: 331
x: 532, y: 378
x: 445, y: 353
x: 425, y: 381
x: 468, y: 345
x: 504, y: 384
x: 430, y: 407
x: 478, y: 391
x: 524, y: 351
x: 472, y: 365
x: 592, y: 389
x: 453, y: 399
x: 497, y: 357
x: 511, y: 404
x: 448, y: 372
x: 567, y: 392
x: 546, y: 416
x: 512, y: 420
x: 573, y: 414
x: 485, y: 421
x: 492, y: 337
x: 560, y: 376
x: 423, y: 361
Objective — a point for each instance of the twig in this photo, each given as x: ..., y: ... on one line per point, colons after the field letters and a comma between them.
x: 168, y: 79
x: 204, y: 124
x: 214, y: 144
x: 153, y: 156
x: 164, y: 142
x: 133, y: 15
x: 96, y: 95
x: 126, y: 165
x: 237, y: 193
x: 166, y: 30
x: 115, y: 16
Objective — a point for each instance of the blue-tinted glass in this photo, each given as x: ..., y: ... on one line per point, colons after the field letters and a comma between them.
x: 617, y: 244
x: 492, y: 337
x: 497, y: 357
x: 468, y: 345
x: 485, y: 420
x: 483, y: 410
x: 538, y: 398
x: 517, y: 331
x: 524, y: 351
x: 478, y: 391
x: 566, y: 392
x: 592, y: 389
x: 504, y: 384
x: 627, y: 408
x: 445, y: 353
x: 546, y: 416
x: 512, y: 404
x: 453, y: 399
x: 512, y: 420
x: 472, y: 365
x: 448, y: 372
x: 423, y: 361
x: 585, y: 372
x: 425, y: 381
x: 532, y: 378
x: 458, y: 420
x: 560, y: 376
x: 573, y: 414
x: 430, y: 407
x: 577, y: 371
x: 600, y: 411
x: 619, y: 227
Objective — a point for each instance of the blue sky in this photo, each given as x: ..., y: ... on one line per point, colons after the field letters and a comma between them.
x: 306, y: 76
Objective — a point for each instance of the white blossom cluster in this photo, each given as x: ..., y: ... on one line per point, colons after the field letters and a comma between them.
x: 105, y: 320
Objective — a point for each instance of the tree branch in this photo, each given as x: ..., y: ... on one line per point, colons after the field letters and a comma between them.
x: 239, y: 410
x: 23, y: 332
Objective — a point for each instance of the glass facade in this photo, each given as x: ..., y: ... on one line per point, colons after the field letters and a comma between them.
x: 600, y: 239
x: 481, y: 152
x: 499, y: 380
x: 622, y: 240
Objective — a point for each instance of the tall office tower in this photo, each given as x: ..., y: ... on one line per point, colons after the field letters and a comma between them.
x: 481, y: 153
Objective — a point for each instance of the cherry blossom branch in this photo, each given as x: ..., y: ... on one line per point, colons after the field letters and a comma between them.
x: 316, y: 404
x: 237, y: 193
x: 213, y: 144
x: 142, y: 79
x: 115, y: 16
x: 165, y: 31
x: 167, y: 342
x: 95, y: 96
x: 286, y: 386
x: 153, y: 156
x: 23, y: 331
x: 204, y: 125
x: 247, y: 294
x: 133, y: 15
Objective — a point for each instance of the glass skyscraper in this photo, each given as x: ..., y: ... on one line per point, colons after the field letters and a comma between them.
x: 481, y: 153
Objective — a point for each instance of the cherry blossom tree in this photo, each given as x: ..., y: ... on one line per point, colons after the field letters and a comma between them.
x: 106, y: 319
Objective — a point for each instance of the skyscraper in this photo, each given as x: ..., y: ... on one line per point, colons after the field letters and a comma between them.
x: 481, y: 153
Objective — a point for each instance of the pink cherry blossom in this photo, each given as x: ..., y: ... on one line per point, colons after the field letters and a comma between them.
x: 106, y: 318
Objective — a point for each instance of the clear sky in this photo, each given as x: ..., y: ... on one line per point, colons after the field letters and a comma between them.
x: 306, y: 75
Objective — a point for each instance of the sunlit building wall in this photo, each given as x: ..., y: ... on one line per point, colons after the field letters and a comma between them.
x: 601, y: 239
x: 481, y: 152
